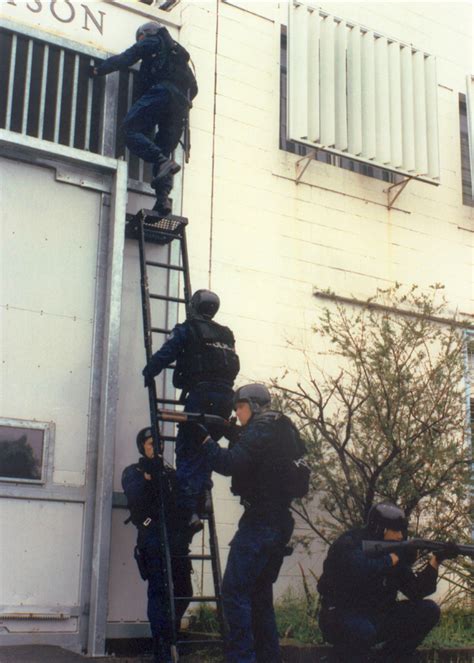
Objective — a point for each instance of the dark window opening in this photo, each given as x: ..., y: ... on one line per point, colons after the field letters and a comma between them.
x: 302, y: 149
x: 22, y: 452
x: 467, y: 197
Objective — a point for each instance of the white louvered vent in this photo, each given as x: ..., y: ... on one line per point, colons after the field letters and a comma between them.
x: 355, y: 92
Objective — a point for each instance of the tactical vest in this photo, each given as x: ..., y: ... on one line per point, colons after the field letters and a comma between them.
x: 209, y: 354
x: 282, y: 474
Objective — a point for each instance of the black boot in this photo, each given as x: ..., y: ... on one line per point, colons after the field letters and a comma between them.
x: 195, y: 524
x: 165, y: 168
x: 161, y: 651
x: 207, y: 501
x: 163, y: 206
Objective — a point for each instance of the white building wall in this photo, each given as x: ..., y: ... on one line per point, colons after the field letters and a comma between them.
x: 261, y: 240
x: 271, y: 241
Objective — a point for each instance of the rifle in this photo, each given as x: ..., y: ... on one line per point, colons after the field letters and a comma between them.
x: 376, y: 548
x: 192, y: 418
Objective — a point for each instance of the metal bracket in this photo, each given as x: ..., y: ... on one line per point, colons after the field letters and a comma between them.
x: 301, y: 169
x: 398, y: 185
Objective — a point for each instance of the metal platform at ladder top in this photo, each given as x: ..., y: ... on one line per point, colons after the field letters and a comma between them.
x: 149, y: 226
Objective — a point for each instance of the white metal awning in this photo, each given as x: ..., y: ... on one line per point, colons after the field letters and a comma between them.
x: 355, y: 92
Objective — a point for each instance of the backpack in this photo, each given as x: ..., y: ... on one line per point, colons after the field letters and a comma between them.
x: 175, y: 65
x: 289, y: 469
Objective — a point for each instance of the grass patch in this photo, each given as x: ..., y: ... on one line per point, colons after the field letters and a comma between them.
x: 297, y: 618
x: 456, y: 629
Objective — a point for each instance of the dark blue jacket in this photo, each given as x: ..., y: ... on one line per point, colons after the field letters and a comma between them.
x: 169, y: 351
x: 353, y: 580
x: 245, y: 462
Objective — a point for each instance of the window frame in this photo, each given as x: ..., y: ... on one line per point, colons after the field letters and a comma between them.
x: 49, y: 434
x: 465, y: 147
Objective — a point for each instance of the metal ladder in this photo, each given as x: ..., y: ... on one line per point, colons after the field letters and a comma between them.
x: 149, y: 226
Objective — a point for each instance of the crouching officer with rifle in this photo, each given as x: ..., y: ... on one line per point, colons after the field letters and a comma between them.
x: 144, y: 513
x: 359, y: 605
x: 267, y: 471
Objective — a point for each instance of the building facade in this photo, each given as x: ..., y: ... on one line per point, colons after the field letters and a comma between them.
x: 277, y: 210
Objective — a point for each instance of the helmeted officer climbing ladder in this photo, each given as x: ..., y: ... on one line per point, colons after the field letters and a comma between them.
x: 150, y: 226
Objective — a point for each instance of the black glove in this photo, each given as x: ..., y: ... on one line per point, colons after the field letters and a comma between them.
x: 199, y: 432
x: 232, y: 432
x: 148, y: 375
x: 407, y: 556
x: 449, y: 551
x: 147, y: 465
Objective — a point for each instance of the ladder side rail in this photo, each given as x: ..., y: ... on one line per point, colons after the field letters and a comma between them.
x: 186, y: 276
x: 216, y: 571
x: 157, y: 479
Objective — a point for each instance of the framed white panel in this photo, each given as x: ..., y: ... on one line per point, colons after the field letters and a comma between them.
x: 368, y: 96
x: 327, y: 90
x: 354, y: 91
x: 341, y: 86
x: 395, y: 85
x: 382, y: 102
x: 47, y: 538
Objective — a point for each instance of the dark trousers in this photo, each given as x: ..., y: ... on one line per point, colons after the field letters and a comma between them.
x: 193, y: 473
x: 255, y: 559
x: 401, y: 628
x: 157, y: 106
x: 158, y: 617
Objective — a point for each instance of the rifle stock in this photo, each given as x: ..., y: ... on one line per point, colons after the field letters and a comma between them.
x: 377, y: 548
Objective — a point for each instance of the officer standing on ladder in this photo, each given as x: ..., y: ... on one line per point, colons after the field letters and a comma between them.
x: 206, y: 367
x: 166, y: 87
x: 267, y: 470
x: 144, y: 513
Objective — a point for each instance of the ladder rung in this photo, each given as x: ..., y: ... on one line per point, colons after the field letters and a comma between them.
x: 165, y: 265
x: 159, y: 330
x: 168, y: 401
x: 197, y: 599
x: 213, y: 641
x: 165, y: 298
x: 168, y: 438
x: 194, y: 557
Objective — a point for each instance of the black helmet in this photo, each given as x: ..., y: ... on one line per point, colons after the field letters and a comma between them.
x: 386, y: 515
x: 205, y: 303
x: 256, y: 395
x: 148, y: 29
x: 142, y: 437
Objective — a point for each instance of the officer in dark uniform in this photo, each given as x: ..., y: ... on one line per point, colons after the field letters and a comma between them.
x: 144, y: 513
x: 166, y: 88
x: 257, y: 549
x: 206, y: 366
x: 359, y: 593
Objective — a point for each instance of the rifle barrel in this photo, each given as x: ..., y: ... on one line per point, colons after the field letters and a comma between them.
x: 383, y: 547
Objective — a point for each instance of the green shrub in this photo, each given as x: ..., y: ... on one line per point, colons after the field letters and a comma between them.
x: 204, y: 620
